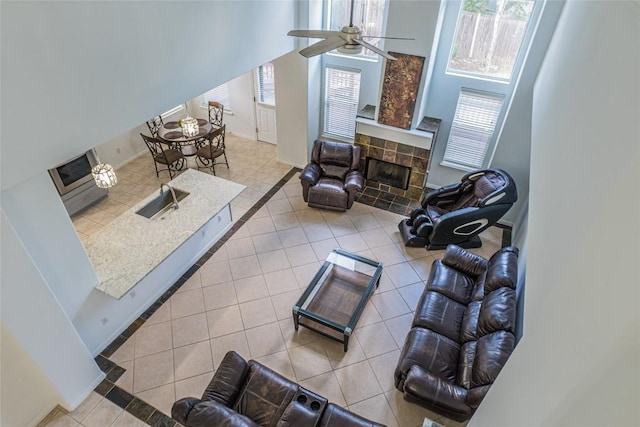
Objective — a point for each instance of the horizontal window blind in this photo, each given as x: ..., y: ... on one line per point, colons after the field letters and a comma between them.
x: 341, y: 94
x: 473, y: 127
x: 219, y: 94
x: 265, y: 84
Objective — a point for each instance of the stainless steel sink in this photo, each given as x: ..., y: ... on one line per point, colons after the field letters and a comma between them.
x: 161, y: 204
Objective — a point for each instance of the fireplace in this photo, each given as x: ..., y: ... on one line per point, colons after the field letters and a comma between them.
x: 388, y: 173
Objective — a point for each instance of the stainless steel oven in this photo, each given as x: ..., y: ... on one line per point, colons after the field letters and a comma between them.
x: 74, y: 172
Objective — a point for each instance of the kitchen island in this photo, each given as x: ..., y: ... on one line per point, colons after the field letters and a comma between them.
x: 132, y: 249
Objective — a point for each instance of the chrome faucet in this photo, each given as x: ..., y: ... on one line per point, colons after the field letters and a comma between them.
x: 173, y: 194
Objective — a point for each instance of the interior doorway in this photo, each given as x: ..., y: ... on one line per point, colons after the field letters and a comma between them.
x: 265, y: 103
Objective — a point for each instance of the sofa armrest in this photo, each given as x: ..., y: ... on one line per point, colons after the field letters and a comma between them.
x: 181, y: 408
x: 311, y: 173
x: 354, y: 181
x: 228, y: 380
x: 335, y: 415
x: 465, y: 261
x: 424, y: 386
x: 211, y: 413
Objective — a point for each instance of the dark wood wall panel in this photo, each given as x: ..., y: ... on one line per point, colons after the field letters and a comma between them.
x: 400, y: 90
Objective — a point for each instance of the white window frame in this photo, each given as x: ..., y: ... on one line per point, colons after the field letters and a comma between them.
x: 373, y: 57
x: 348, y: 113
x: 259, y: 89
x: 219, y: 94
x: 473, y: 128
x: 174, y: 110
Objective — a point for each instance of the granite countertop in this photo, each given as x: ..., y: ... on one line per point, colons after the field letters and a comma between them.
x: 127, y: 249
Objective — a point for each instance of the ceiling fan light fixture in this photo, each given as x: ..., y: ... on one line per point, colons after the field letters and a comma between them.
x: 350, y: 49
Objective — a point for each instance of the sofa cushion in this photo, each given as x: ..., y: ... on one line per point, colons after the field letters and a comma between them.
x: 464, y: 261
x: 432, y: 351
x: 339, y: 154
x: 492, y: 352
x: 328, y: 191
x: 498, y: 312
x: 265, y: 395
x: 440, y: 314
x: 502, y: 270
x: 469, y: 327
x: 465, y: 364
x: 336, y: 416
x: 334, y: 171
x: 228, y: 379
x: 211, y: 413
x: 450, y: 282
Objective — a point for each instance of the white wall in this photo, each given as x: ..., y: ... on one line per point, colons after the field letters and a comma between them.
x: 577, y: 363
x: 40, y: 327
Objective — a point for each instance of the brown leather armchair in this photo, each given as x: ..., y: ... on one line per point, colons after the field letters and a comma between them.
x: 248, y: 394
x: 332, y: 179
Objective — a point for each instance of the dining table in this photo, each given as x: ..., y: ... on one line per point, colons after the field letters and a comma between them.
x: 171, y: 133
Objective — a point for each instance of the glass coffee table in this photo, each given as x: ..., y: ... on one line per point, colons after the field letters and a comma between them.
x: 334, y: 300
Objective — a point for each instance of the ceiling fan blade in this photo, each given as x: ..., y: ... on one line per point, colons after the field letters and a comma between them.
x: 323, y: 46
x: 388, y: 38
x: 375, y: 49
x: 314, y: 34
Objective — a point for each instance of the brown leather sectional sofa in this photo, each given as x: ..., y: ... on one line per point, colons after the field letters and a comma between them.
x: 462, y: 332
x: 248, y: 394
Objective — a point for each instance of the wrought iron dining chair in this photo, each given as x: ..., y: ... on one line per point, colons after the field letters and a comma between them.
x: 165, y: 155
x: 154, y: 125
x: 216, y: 110
x: 213, y: 147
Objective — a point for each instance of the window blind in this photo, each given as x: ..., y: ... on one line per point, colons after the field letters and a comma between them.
x: 341, y: 94
x: 473, y: 126
x: 219, y: 94
x: 265, y: 84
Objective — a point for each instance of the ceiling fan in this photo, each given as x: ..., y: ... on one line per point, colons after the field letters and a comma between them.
x: 348, y: 40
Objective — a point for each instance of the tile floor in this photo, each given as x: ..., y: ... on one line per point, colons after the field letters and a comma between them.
x: 241, y: 297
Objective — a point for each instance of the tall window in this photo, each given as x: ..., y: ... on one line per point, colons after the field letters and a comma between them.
x: 219, y: 94
x: 265, y: 84
x: 341, y: 94
x: 368, y: 15
x: 474, y: 124
x: 489, y: 35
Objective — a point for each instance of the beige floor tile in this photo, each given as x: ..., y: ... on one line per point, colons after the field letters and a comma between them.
x: 326, y: 385
x: 293, y: 237
x: 267, y: 242
x: 283, y: 303
x: 302, y: 336
x: 125, y: 419
x: 194, y: 282
x: 309, y: 360
x: 103, y: 414
x: 375, y: 339
x: 365, y: 222
x: 251, y: 288
x: 124, y: 353
x: 388, y: 254
x: 161, y: 398
x: 125, y: 381
x: 342, y: 226
x: 383, y: 367
x: 192, y: 360
x: 241, y: 233
x: 402, y: 274
x: 374, y: 240
x: 278, y: 207
x: 422, y: 267
x: 161, y: 315
x: 193, y: 386
x: 369, y: 316
x: 240, y: 248
x: 153, y: 371
x: 87, y: 405
x: 189, y: 330
x: 264, y: 340
x: 389, y: 304
x: 187, y: 303
x: 286, y: 221
x: 317, y: 231
x: 224, y: 321
x: 280, y: 363
x: 399, y: 327
x: 356, y: 391
x: 352, y: 242
x: 257, y: 312
x: 273, y: 261
x: 218, y: 296
x: 281, y: 281
x: 221, y: 345
x: 215, y: 272
x: 376, y: 409
x: 411, y: 294
x: 323, y: 248
x: 340, y: 358
x: 245, y: 267
x: 408, y: 414
x: 309, y: 216
x: 153, y: 339
x: 305, y: 273
x: 260, y: 226
x: 300, y: 255
x: 58, y: 418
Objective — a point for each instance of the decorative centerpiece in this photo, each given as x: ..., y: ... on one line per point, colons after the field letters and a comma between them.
x: 189, y: 126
